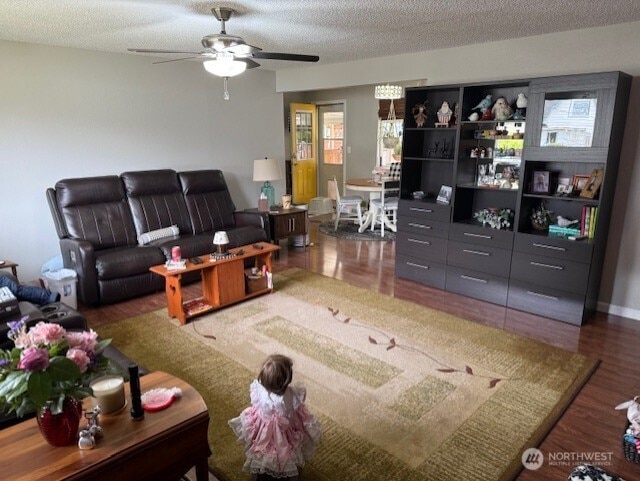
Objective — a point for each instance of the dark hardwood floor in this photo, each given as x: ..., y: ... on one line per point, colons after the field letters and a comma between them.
x: 590, y: 430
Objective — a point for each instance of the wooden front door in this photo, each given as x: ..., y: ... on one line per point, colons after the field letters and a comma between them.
x: 303, y: 152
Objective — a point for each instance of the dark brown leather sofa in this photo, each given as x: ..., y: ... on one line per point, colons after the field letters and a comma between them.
x: 99, y: 221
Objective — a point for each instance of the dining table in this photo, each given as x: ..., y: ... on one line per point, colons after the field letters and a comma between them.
x: 373, y: 187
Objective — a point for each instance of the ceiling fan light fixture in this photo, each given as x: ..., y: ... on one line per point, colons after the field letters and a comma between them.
x: 224, y: 65
x: 388, y: 92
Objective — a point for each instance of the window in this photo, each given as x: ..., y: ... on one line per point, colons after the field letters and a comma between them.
x: 389, y: 141
x: 333, y: 137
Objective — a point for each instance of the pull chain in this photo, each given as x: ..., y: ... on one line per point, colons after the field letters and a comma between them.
x: 226, y: 92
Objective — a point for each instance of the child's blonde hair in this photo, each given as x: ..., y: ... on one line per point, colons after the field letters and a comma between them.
x: 276, y: 373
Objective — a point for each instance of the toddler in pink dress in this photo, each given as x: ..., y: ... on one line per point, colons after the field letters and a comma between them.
x: 278, y: 432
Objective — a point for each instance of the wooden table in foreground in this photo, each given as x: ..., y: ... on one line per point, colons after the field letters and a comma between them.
x: 163, y: 445
x: 223, y: 281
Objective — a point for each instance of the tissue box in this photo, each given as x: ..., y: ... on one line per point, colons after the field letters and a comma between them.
x: 8, y: 303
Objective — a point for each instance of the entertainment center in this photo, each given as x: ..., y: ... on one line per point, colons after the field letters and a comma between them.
x: 555, y: 160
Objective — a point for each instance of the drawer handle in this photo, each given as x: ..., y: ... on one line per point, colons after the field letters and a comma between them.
x: 545, y: 246
x: 418, y: 209
x: 412, y: 264
x: 482, y: 236
x: 474, y: 279
x: 419, y: 241
x: 547, y: 266
x: 477, y: 253
x: 419, y: 226
x: 544, y: 296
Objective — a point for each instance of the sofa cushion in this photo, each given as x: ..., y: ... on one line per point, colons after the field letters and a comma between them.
x: 241, y: 236
x: 95, y: 209
x: 208, y: 200
x: 156, y: 201
x: 127, y: 261
x: 190, y: 246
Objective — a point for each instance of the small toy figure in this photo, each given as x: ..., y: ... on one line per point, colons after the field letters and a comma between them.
x: 86, y: 440
x: 633, y: 414
x: 501, y: 110
x: 444, y: 114
x: 419, y: 114
x: 484, y: 104
x: 521, y: 101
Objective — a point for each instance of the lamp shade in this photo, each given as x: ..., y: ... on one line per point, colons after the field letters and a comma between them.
x: 224, y: 65
x: 266, y: 169
x: 220, y: 238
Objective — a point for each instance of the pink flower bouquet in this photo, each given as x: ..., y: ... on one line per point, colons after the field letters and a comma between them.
x: 48, y: 364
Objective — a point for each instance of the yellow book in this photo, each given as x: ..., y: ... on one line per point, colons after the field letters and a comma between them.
x: 592, y: 222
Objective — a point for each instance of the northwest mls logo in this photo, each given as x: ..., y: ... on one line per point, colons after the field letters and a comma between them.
x: 532, y: 459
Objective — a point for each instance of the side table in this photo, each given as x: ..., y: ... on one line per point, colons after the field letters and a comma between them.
x: 163, y: 445
x: 285, y: 223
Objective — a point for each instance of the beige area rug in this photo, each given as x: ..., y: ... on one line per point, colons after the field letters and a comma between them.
x: 403, y: 392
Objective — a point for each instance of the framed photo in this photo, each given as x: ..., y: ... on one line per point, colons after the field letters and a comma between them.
x: 580, y: 181
x: 564, y: 189
x: 590, y: 190
x: 540, y: 182
x: 444, y: 196
x: 564, y: 180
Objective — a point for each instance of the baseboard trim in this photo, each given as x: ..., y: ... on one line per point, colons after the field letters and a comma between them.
x: 619, y: 311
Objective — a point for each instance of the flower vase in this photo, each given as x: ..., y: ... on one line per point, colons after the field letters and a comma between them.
x: 61, y: 429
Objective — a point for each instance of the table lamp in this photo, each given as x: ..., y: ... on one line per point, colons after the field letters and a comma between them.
x: 221, y: 241
x: 267, y: 170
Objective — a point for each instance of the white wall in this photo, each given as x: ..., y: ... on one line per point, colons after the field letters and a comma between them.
x: 75, y: 113
x: 590, y: 50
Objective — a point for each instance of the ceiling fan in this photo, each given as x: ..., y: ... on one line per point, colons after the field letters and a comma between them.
x: 228, y: 55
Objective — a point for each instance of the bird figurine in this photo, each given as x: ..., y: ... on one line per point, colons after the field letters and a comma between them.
x: 563, y: 222
x: 484, y: 104
x: 521, y: 101
x: 444, y: 113
x: 474, y: 116
x: 419, y: 114
x: 501, y: 110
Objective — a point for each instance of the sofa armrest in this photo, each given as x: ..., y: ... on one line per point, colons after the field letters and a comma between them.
x: 79, y: 256
x: 245, y: 218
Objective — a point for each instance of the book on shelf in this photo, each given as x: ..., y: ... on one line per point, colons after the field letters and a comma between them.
x: 559, y: 231
x: 588, y: 220
x: 195, y: 306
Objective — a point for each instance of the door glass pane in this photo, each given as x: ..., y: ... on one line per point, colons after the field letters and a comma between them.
x: 332, y: 137
x: 568, y: 120
x: 304, y: 135
x: 389, y: 141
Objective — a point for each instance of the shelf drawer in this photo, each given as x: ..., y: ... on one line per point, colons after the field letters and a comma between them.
x: 546, y: 301
x: 421, y: 247
x: 414, y: 225
x: 479, y: 285
x: 425, y: 272
x: 550, y: 272
x: 424, y: 210
x: 579, y: 251
x: 478, y: 235
x: 479, y: 258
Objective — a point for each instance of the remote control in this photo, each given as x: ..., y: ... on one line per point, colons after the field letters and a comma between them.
x: 257, y: 246
x: 196, y: 260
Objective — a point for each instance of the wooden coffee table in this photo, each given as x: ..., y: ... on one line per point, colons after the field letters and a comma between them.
x: 224, y: 281
x: 163, y: 445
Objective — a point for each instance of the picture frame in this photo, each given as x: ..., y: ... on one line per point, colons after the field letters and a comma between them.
x: 540, y: 182
x: 564, y: 189
x: 580, y: 181
x: 590, y: 190
x: 444, y: 196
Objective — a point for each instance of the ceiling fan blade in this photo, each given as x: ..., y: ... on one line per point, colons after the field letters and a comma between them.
x: 242, y: 49
x: 250, y: 63
x: 153, y: 50
x: 285, y: 56
x: 176, y: 59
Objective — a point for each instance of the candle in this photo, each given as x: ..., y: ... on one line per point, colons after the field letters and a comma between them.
x: 109, y: 393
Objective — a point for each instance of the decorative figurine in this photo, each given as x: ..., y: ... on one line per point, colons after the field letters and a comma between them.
x: 521, y: 101
x: 456, y: 115
x: 484, y: 104
x: 86, y: 440
x: 518, y: 115
x: 419, y: 114
x: 487, y: 115
x: 444, y: 115
x: 501, y: 110
x: 474, y: 116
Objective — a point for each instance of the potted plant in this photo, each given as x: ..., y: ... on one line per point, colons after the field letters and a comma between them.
x: 541, y: 217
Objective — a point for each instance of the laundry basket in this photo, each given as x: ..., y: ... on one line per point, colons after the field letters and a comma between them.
x: 63, y: 282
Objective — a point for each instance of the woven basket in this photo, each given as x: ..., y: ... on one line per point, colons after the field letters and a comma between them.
x: 629, y: 449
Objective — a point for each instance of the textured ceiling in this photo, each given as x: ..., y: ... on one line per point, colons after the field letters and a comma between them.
x: 336, y: 30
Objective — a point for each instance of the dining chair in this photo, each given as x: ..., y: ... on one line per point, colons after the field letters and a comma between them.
x: 348, y: 207
x: 385, y: 208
